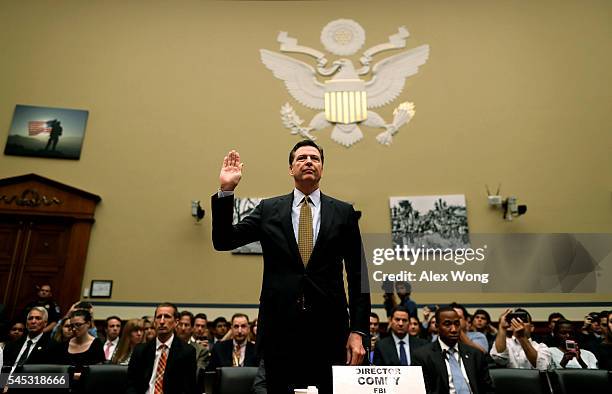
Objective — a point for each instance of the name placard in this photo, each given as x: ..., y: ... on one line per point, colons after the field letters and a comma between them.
x: 378, y: 380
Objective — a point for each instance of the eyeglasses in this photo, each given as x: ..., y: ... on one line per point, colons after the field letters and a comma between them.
x: 75, y: 326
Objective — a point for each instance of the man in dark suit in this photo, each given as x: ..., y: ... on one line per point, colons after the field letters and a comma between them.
x: 304, y: 243
x: 33, y: 347
x: 468, y: 368
x: 235, y: 352
x: 165, y: 365
x: 397, y: 348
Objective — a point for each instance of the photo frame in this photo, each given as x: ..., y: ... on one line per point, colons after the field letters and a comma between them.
x: 46, y: 132
x: 101, y: 289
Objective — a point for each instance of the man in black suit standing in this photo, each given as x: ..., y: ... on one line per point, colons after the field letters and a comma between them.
x: 305, y: 237
x: 235, y: 352
x: 449, y: 366
x: 33, y: 347
x: 397, y: 348
x: 165, y: 365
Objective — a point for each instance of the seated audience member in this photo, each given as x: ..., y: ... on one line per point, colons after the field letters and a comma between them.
x: 374, y: 334
x: 83, y: 348
x: 432, y: 329
x: 184, y: 330
x: 567, y: 353
x: 165, y: 364
x: 200, y: 330
x: 603, y: 351
x: 474, y: 339
x: 590, y: 333
x: 253, y: 331
x: 603, y: 323
x: 549, y: 338
x: 16, y: 332
x: 132, y: 335
x: 64, y: 332
x: 450, y: 366
x: 113, y: 329
x: 397, y: 348
x: 149, y: 329
x: 514, y: 348
x: 236, y: 352
x: 219, y: 329
x: 482, y: 323
x: 414, y: 327
x: 32, y: 348
x: 79, y: 305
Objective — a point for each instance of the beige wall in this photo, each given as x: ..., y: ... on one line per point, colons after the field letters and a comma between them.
x: 514, y: 92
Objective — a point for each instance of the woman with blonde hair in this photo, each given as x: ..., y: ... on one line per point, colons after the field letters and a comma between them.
x: 64, y: 333
x: 133, y: 334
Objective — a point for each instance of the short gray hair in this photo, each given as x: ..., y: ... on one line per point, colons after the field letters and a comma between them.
x: 43, y: 311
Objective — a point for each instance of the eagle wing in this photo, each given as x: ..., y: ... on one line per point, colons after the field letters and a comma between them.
x: 389, y: 75
x: 300, y: 78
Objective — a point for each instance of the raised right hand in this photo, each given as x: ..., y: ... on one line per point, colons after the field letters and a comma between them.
x: 231, y: 171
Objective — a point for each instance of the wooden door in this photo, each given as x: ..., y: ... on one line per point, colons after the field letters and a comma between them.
x: 44, y: 234
x: 35, y: 254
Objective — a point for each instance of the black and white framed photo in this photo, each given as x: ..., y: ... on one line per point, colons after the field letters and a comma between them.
x: 429, y: 221
x: 242, y: 208
x: 101, y: 289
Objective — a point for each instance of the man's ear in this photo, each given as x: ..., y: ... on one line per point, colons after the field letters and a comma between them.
x: 290, y: 171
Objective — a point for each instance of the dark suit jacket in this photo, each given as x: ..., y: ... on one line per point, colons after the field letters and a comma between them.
x: 431, y: 360
x: 286, y: 282
x: 180, y: 374
x: 222, y: 355
x: 39, y: 355
x: 385, y: 352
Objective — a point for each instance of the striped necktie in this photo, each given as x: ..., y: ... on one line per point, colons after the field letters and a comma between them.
x: 305, y: 236
x: 161, y: 368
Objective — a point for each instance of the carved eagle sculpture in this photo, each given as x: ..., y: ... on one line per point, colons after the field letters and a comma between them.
x: 387, y: 82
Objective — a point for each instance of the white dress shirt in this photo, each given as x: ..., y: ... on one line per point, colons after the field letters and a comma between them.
x: 514, y: 356
x: 158, y: 343
x: 113, y: 346
x: 315, y: 208
x: 24, y: 346
x: 589, y: 359
x: 451, y: 385
x: 406, y: 345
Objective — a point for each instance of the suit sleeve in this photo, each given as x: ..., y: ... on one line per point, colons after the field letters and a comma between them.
x: 357, y: 276
x: 227, y: 236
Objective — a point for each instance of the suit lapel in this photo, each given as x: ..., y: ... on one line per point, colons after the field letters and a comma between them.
x: 470, y: 368
x: 149, y: 355
x: 391, y: 350
x: 440, y: 363
x: 285, y: 207
x: 325, y: 226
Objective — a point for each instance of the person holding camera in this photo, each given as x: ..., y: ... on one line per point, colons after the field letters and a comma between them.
x: 568, y: 354
x: 514, y: 348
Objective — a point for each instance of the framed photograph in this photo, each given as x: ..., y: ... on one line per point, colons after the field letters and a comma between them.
x: 430, y: 221
x: 46, y: 132
x: 101, y: 289
x: 242, y: 208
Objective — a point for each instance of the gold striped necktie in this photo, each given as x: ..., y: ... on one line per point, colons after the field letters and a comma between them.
x: 161, y: 368
x: 305, y: 236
